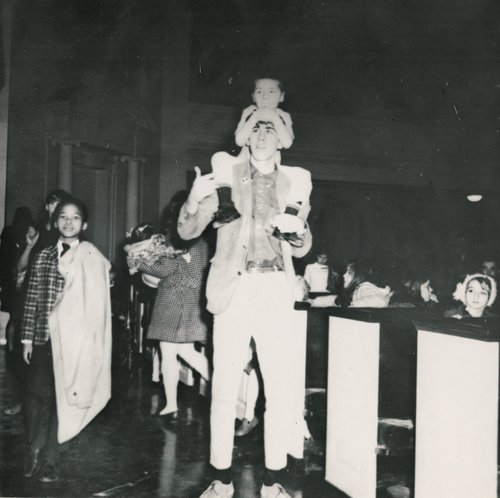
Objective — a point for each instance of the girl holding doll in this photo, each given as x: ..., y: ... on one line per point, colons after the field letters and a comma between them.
x: 178, y: 318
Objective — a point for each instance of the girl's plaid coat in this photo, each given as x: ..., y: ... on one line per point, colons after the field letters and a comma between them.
x: 179, y: 313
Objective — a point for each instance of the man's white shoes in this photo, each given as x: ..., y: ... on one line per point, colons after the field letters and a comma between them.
x: 218, y: 489
x: 274, y: 491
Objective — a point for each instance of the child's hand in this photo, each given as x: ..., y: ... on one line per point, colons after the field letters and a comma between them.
x: 247, y: 112
x: 283, y: 114
x: 434, y: 298
x: 32, y: 236
x: 286, y: 118
x: 27, y: 352
x: 266, y: 114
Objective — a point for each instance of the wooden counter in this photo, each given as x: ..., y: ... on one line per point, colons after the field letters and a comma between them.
x: 371, y: 375
x: 457, y: 409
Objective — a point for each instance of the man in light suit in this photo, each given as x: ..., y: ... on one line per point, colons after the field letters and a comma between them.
x: 250, y: 293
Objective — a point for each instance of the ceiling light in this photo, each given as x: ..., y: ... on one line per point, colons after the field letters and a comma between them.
x: 474, y: 197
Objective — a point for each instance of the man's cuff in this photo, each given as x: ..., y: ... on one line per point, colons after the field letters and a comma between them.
x: 26, y: 341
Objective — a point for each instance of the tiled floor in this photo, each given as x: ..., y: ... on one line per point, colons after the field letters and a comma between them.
x: 127, y: 451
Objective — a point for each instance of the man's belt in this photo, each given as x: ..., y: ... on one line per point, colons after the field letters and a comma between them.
x: 260, y: 268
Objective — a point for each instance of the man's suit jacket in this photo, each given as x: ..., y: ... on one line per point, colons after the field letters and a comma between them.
x: 229, y: 261
x: 45, y: 284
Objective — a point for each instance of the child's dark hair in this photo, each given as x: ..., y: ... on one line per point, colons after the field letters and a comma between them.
x: 57, y: 195
x: 484, y: 282
x: 278, y: 80
x: 143, y: 231
x: 169, y: 219
x: 362, y: 273
x: 72, y: 201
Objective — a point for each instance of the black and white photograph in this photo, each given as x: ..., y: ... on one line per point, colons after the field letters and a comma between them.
x: 249, y: 249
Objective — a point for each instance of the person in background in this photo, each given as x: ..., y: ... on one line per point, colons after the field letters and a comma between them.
x: 250, y: 393
x: 317, y: 274
x: 476, y: 294
x: 48, y: 234
x: 416, y: 292
x: 489, y: 267
x: 359, y: 292
x: 14, y: 240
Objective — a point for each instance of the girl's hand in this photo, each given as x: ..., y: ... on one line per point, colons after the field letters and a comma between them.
x: 27, y: 352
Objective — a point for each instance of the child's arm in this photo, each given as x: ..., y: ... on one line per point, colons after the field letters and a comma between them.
x: 163, y: 268
x: 29, y: 315
x: 287, y: 121
x: 194, y: 264
x: 244, y: 128
x: 279, y: 119
x: 366, y: 297
x: 23, y: 261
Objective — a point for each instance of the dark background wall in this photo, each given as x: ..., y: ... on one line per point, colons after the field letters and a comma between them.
x: 395, y: 104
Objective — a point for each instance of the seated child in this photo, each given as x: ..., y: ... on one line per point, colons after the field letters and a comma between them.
x: 267, y: 95
x: 475, y: 293
x: 416, y: 292
x: 359, y: 292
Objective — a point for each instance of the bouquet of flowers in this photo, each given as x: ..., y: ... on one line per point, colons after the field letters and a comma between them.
x: 147, y: 247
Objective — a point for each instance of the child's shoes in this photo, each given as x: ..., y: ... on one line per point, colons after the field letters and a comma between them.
x: 289, y: 219
x: 227, y: 212
x: 292, y: 238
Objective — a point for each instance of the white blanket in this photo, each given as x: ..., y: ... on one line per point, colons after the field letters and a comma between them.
x: 80, y: 332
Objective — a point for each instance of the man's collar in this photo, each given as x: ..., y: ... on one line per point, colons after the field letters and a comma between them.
x: 255, y: 171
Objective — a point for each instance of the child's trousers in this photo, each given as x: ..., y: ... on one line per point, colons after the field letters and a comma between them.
x: 40, y: 404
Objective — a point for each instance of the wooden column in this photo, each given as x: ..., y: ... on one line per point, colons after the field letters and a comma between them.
x: 65, y: 166
x: 132, y: 213
x: 6, y: 20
